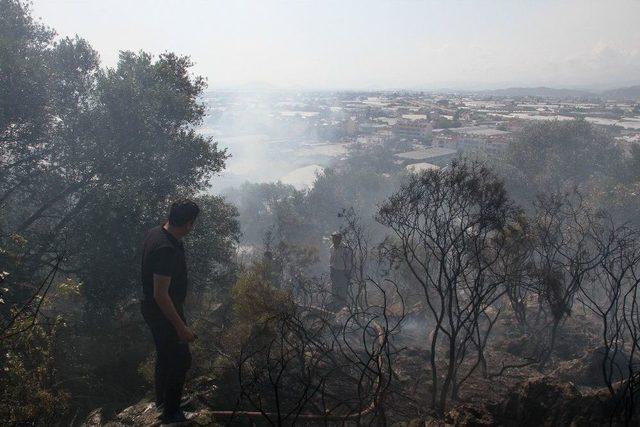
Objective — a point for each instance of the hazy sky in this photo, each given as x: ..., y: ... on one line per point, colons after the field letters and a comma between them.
x: 370, y: 44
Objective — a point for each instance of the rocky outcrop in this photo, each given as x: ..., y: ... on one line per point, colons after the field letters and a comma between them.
x: 570, y: 344
x: 94, y: 419
x: 537, y: 402
x: 541, y: 401
x: 467, y: 415
x: 522, y: 346
x: 588, y: 369
x: 547, y: 401
x: 144, y: 413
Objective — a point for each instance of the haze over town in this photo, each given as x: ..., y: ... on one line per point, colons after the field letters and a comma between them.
x: 371, y: 44
x: 273, y: 69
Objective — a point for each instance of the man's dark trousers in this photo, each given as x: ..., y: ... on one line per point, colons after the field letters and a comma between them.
x: 340, y: 286
x: 173, y: 358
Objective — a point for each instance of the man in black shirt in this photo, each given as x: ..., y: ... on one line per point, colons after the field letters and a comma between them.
x: 164, y: 286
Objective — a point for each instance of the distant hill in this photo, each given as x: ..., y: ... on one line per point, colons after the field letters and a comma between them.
x: 248, y: 87
x: 542, y: 92
x: 623, y: 93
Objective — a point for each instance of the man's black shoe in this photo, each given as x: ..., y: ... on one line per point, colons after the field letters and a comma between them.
x: 184, y: 402
x: 178, y: 418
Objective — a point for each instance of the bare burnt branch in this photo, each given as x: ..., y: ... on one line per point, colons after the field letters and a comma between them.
x: 30, y: 308
x: 447, y: 225
x: 304, y: 362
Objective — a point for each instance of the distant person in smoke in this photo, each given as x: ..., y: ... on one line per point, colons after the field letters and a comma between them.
x: 340, y: 264
x: 164, y: 286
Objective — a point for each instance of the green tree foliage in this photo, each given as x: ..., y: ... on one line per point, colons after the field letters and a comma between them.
x: 212, y: 248
x: 114, y: 145
x: 89, y: 159
x: 305, y: 217
x: 294, y: 225
x: 273, y: 207
x: 256, y: 306
x: 23, y: 74
x: 573, y: 155
x: 32, y: 358
x: 30, y: 386
x: 622, y: 197
x: 558, y: 155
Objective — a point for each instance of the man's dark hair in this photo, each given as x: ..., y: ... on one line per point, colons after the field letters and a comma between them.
x: 182, y: 212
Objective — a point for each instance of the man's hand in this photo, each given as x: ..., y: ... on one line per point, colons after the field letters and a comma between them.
x: 185, y: 335
x: 161, y: 295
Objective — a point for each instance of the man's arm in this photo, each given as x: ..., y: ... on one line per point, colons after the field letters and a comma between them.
x: 161, y: 296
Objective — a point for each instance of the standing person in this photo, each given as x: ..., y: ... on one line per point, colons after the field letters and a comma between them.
x: 340, y: 266
x: 164, y: 286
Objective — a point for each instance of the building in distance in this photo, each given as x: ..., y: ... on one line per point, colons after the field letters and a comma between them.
x: 482, y: 138
x: 433, y: 155
x: 418, y: 130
